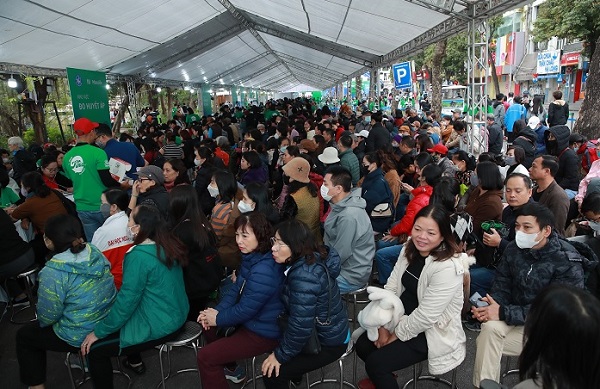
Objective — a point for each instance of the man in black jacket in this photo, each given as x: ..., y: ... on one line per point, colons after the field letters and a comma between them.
x: 537, y: 258
x: 496, y: 137
x: 557, y: 143
x: 379, y: 136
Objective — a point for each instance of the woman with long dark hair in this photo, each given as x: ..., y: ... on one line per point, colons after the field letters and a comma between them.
x: 570, y: 317
x: 428, y: 279
x: 256, y: 198
x: 310, y: 291
x: 252, y: 304
x: 203, y: 271
x: 151, y: 306
x: 252, y: 169
x: 376, y: 190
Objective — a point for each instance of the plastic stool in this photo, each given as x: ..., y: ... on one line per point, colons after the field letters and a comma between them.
x: 29, y: 277
x: 187, y: 337
x: 254, y: 376
x: 85, y: 375
x: 340, y: 380
x: 418, y: 377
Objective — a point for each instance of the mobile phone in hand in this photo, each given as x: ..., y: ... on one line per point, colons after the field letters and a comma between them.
x: 476, y: 301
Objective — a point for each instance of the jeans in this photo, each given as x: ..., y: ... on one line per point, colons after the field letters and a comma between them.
x: 345, y: 286
x: 91, y: 221
x: 386, y: 257
x: 481, y: 279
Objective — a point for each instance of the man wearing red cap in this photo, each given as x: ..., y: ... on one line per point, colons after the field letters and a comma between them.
x: 87, y: 166
x: 438, y: 154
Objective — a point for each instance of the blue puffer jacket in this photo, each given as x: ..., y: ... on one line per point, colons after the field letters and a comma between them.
x: 305, y: 296
x: 376, y: 190
x: 259, y: 304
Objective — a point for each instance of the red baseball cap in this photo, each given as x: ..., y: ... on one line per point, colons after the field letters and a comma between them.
x: 439, y: 148
x: 83, y: 126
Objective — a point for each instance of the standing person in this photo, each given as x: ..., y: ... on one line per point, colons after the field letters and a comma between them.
x: 537, y: 110
x: 125, y: 151
x: 87, y: 167
x: 379, y: 137
x: 151, y: 306
x: 428, y: 278
x: 313, y: 303
x: 499, y: 110
x: 76, y: 292
x: 376, y: 191
x: 496, y: 136
x: 515, y: 112
x: 112, y: 237
x: 558, y: 110
x: 252, y: 304
x: 348, y: 229
x: 203, y: 271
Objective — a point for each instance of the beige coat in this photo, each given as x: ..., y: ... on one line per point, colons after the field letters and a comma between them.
x: 440, y: 296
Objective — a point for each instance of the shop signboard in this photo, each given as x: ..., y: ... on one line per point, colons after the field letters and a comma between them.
x: 548, y: 62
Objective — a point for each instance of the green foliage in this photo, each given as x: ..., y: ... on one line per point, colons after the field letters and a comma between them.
x: 569, y: 19
x: 453, y: 66
x: 54, y: 136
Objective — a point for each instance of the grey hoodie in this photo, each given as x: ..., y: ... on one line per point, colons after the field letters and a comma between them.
x: 348, y: 230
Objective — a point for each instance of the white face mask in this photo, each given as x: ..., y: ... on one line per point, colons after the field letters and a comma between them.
x: 526, y: 241
x: 130, y: 234
x: 245, y: 207
x: 594, y: 226
x: 197, y: 162
x: 325, y: 193
x: 213, y: 191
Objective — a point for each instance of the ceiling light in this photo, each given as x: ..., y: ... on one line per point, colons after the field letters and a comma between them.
x: 186, y: 88
x: 12, y: 83
x: 191, y: 90
x: 210, y: 91
x: 107, y: 86
x: 158, y: 89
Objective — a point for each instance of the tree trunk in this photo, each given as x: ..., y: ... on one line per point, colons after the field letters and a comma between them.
x: 116, y: 129
x: 359, y: 88
x: 494, y: 74
x: 436, y: 76
x: 169, y: 103
x: 35, y: 110
x: 589, y: 114
x: 163, y: 109
x: 152, y: 97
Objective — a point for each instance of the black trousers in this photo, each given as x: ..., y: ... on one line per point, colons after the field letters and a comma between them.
x: 102, y: 350
x: 301, y: 364
x: 32, y: 343
x: 380, y: 363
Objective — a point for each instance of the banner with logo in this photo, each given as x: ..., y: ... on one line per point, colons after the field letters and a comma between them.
x: 548, y: 62
x: 89, y: 95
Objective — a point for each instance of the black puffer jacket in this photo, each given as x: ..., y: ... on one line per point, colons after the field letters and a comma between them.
x: 305, y: 296
x: 522, y: 274
x: 568, y: 162
x: 526, y: 138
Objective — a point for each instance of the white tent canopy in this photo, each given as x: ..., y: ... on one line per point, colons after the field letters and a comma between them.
x: 273, y: 45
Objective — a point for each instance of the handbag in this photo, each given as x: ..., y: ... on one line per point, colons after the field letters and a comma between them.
x: 312, y: 345
x: 382, y: 210
x: 225, y: 332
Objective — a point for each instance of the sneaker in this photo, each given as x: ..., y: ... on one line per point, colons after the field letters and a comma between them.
x: 473, y: 325
x: 236, y: 376
x: 366, y: 383
x: 137, y: 368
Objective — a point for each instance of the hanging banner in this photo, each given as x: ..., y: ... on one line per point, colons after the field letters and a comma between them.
x: 548, y: 62
x: 89, y: 95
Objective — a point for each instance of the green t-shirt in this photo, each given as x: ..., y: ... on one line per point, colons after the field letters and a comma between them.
x: 8, y: 197
x: 81, y: 165
x: 270, y: 113
x: 192, y: 118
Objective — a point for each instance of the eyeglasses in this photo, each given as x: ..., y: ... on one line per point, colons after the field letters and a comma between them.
x: 144, y: 179
x: 52, y: 170
x: 278, y: 243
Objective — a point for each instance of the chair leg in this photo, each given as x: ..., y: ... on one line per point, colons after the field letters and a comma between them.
x: 415, y: 376
x: 253, y: 372
x: 162, y: 369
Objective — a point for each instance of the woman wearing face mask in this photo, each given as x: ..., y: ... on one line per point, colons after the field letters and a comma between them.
x: 76, y: 291
x: 515, y: 156
x: 151, y: 306
x: 51, y: 175
x: 376, y: 190
x: 280, y: 189
x: 224, y: 188
x: 204, y: 271
x: 206, y: 163
x: 256, y: 198
x: 465, y: 164
x: 112, y: 237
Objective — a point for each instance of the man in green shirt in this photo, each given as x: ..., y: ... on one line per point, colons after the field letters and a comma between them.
x: 87, y: 166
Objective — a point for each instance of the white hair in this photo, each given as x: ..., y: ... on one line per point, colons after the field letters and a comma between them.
x: 15, y: 140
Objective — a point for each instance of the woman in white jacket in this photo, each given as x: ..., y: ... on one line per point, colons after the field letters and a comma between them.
x: 428, y: 278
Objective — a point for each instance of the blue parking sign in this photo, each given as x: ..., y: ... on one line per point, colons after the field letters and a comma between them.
x: 402, y: 75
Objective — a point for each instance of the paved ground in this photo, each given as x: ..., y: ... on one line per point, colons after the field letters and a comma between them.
x: 57, y: 376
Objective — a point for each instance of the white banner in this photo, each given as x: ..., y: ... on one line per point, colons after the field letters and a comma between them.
x: 548, y: 62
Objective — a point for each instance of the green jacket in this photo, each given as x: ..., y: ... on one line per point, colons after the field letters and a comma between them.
x: 349, y: 160
x: 151, y: 302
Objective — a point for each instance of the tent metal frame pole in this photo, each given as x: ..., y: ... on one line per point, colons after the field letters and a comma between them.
x: 133, y: 102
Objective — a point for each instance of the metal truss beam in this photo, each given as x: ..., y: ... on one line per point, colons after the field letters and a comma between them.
x: 447, y: 8
x: 238, y: 67
x: 482, y: 9
x: 325, y: 46
x: 298, y: 62
x: 6, y: 67
x: 258, y: 72
x: 241, y: 17
x: 277, y: 80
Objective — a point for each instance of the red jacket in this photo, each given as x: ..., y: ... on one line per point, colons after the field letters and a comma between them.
x: 420, y: 200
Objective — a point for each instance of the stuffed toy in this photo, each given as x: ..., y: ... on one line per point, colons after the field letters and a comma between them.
x: 384, y: 310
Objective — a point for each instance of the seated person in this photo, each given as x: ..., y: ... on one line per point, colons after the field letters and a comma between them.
x: 67, y: 310
x: 536, y: 259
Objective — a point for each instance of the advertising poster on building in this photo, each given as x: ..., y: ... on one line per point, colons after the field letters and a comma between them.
x: 548, y: 62
x: 89, y: 95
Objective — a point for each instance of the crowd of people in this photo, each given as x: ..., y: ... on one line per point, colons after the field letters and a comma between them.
x: 255, y: 221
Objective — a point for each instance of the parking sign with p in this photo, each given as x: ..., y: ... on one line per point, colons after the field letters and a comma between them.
x: 402, y: 75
